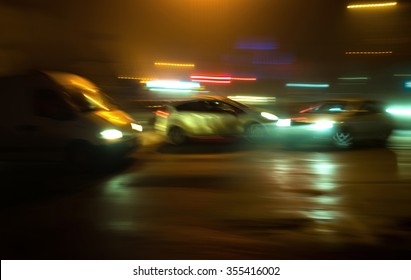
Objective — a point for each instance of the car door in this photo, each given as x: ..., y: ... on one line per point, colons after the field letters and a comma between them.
x: 203, y: 118
x: 378, y: 124
x: 224, y: 118
x: 49, y: 127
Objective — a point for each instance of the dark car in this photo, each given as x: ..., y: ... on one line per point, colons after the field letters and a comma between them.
x: 342, y: 122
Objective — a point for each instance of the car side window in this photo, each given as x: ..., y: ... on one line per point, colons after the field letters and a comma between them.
x: 196, y: 106
x: 333, y: 107
x: 222, y: 107
x: 49, y: 104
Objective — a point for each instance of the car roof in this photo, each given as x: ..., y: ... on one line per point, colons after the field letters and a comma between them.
x: 350, y: 99
x: 200, y: 97
x: 209, y: 97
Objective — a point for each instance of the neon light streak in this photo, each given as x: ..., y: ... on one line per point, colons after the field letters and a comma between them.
x: 127, y: 78
x: 368, y: 53
x: 225, y: 78
x: 243, y: 79
x: 142, y: 80
x: 189, y: 65
x: 373, y: 5
x: 219, y: 79
x: 170, y: 84
x: 211, y: 81
x: 172, y: 90
x: 259, y: 99
x: 307, y: 85
x: 353, y: 78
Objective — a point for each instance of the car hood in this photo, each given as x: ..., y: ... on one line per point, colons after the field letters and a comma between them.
x: 116, y: 118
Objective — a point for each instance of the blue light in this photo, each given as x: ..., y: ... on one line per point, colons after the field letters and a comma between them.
x: 256, y: 44
x: 407, y: 84
x: 336, y: 110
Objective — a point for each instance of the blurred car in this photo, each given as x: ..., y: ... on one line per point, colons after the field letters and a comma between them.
x: 49, y: 115
x: 341, y: 122
x: 213, y: 117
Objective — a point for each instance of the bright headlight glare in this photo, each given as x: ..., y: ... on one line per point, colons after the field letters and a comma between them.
x: 324, y: 124
x: 399, y: 111
x: 284, y: 122
x: 137, y: 127
x: 111, y: 134
x: 269, y: 116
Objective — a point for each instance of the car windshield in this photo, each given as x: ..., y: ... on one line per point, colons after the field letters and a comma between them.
x: 328, y: 108
x: 237, y: 104
x: 87, y: 99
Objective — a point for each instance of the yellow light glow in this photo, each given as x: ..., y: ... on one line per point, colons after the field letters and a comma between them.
x: 368, y: 53
x: 373, y: 5
x: 127, y: 78
x: 174, y: 64
x: 113, y: 117
x: 96, y: 102
x: 243, y: 79
x: 83, y: 86
x: 252, y: 99
x: 142, y: 80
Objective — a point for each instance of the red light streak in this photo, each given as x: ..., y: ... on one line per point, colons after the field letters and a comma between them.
x: 212, y: 81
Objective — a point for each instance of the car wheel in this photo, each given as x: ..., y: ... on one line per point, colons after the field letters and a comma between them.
x: 343, y: 139
x: 382, y: 142
x: 177, y: 136
x: 255, y: 132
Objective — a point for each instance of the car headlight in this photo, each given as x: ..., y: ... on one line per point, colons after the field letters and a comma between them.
x: 399, y: 111
x: 269, y: 116
x: 137, y: 127
x: 322, y: 125
x: 111, y: 134
x: 283, y: 122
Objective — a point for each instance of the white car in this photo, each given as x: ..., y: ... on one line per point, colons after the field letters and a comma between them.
x: 213, y: 117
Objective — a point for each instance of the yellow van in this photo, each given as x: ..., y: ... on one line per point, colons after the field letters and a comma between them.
x: 48, y: 115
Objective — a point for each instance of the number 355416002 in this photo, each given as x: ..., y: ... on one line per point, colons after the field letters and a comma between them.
x: 242, y: 270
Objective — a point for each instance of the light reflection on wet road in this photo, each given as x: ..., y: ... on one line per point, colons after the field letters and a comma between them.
x: 222, y: 201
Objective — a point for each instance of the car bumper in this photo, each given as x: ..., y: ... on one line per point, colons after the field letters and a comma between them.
x: 304, y: 134
x: 271, y: 129
x: 119, y: 148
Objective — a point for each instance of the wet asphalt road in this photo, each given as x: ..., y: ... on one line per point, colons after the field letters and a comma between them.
x: 214, y: 201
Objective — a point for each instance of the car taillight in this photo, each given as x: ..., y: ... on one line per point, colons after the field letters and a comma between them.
x: 162, y: 113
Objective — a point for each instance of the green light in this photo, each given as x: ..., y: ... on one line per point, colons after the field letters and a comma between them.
x: 307, y: 85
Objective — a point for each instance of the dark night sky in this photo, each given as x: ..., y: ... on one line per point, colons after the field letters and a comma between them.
x: 130, y: 33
